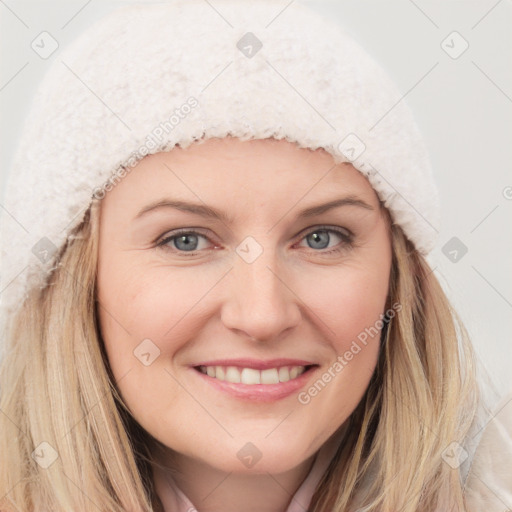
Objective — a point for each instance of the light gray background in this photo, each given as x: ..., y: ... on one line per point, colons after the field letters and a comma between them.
x: 463, y: 106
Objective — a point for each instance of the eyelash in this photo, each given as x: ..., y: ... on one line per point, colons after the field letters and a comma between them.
x: 347, y: 240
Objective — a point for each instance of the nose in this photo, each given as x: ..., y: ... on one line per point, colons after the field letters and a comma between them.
x: 259, y: 301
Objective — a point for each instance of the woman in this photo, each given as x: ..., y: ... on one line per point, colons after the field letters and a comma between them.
x: 222, y: 298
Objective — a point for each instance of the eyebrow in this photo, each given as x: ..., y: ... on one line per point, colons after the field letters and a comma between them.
x: 209, y: 212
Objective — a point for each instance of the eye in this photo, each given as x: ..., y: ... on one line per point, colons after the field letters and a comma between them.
x: 183, y: 241
x: 320, y: 237
x: 189, y: 240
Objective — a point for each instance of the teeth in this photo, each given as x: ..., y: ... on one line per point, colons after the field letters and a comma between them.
x: 269, y: 376
x: 220, y: 372
x: 251, y: 375
x: 284, y: 374
x: 232, y: 374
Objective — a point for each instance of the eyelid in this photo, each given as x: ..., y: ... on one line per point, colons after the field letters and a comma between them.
x: 326, y: 227
x: 344, y: 233
x: 347, y: 239
x: 179, y: 231
x: 202, y: 231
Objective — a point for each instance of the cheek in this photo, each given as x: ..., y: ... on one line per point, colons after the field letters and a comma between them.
x: 137, y: 304
x: 349, y: 308
x: 141, y: 302
x: 350, y: 302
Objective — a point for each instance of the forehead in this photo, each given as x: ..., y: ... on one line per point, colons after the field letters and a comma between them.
x: 253, y: 163
x: 231, y: 175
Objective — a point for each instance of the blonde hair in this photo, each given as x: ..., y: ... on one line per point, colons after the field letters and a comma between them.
x: 56, y: 387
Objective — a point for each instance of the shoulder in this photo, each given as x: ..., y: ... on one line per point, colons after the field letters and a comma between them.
x: 489, y: 482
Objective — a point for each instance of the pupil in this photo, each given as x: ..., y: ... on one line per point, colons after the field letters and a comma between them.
x: 317, y: 236
x: 187, y: 244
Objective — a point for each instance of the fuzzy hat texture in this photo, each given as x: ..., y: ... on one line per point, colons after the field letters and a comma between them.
x: 149, y: 77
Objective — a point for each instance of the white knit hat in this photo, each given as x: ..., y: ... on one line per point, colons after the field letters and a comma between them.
x: 149, y: 77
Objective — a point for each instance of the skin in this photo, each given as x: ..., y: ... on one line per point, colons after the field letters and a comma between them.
x: 294, y: 300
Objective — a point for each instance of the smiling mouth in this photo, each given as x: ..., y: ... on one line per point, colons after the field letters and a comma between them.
x: 240, y: 375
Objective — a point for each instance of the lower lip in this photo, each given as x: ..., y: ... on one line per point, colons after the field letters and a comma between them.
x: 259, y: 392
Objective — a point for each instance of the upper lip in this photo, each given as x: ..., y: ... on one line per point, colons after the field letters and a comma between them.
x: 257, y: 364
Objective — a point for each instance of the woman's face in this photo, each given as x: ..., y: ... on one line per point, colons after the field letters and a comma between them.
x: 258, y: 274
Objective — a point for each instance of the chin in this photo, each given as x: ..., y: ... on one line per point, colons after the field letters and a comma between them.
x: 251, y: 459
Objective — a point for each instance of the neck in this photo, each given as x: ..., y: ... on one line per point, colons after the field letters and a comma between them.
x: 211, y: 490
